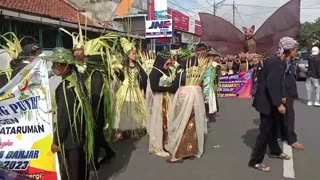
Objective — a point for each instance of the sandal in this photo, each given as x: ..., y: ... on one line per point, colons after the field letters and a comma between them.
x: 282, y: 156
x: 191, y: 158
x: 162, y: 154
x: 262, y: 167
x: 179, y: 161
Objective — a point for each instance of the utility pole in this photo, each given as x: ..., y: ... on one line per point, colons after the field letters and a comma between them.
x: 152, y: 41
x: 234, y: 12
x: 214, y: 7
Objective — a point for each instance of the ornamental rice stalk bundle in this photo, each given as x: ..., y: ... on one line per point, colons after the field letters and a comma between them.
x: 195, y: 74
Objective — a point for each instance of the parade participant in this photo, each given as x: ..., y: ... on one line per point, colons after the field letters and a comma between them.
x: 210, y: 86
x: 73, y: 137
x: 94, y: 72
x: 201, y: 49
x: 28, y: 54
x: 269, y: 102
x: 130, y: 118
x: 161, y: 78
x: 187, y: 115
x: 291, y: 90
x: 147, y: 60
x: 96, y: 82
x: 13, y: 48
x: 313, y: 77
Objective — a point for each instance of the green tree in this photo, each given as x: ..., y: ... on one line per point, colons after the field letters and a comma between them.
x: 310, y: 32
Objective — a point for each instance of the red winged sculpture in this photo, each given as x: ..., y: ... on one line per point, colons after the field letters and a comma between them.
x: 227, y: 39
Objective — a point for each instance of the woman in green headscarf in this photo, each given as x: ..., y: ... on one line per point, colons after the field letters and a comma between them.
x: 73, y: 136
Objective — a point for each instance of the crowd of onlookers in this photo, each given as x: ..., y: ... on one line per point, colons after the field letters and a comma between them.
x: 231, y: 64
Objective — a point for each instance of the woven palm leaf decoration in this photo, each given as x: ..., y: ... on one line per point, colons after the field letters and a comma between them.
x: 13, y: 48
x: 187, y: 52
x: 98, y: 46
x: 147, y: 60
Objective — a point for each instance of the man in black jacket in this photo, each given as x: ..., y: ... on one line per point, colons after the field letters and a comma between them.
x: 269, y: 102
x: 70, y: 135
x: 288, y: 121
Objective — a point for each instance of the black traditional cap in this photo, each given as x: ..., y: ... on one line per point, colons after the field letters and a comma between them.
x: 30, y: 48
x: 200, y: 45
x: 213, y: 52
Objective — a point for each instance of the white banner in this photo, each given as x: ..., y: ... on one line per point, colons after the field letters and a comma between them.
x: 160, y: 5
x: 189, y: 38
x: 192, y: 25
x: 26, y: 126
x: 159, y: 28
x: 186, y: 38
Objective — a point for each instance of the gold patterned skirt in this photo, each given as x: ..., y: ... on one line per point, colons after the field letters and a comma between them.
x: 187, y: 123
x: 188, y: 146
x: 165, y: 108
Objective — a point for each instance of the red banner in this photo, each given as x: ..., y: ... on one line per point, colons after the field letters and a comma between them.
x: 152, y: 13
x: 181, y: 21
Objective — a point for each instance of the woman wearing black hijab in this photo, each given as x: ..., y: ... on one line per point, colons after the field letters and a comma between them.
x: 160, y: 82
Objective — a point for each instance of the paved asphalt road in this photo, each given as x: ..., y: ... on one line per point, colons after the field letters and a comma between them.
x: 235, y: 132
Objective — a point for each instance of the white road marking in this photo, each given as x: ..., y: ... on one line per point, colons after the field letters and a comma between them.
x: 288, y: 168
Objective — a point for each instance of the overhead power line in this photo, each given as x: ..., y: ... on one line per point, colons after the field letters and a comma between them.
x: 252, y: 16
x: 182, y: 7
x: 240, y: 17
x: 226, y: 13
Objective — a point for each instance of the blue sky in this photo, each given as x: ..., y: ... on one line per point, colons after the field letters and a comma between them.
x: 255, y: 13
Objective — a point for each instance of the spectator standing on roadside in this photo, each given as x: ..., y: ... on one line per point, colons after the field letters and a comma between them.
x: 313, y: 76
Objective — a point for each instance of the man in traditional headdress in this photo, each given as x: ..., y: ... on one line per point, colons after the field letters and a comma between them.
x: 269, y: 101
x: 95, y: 79
x: 94, y: 73
x: 74, y: 144
x: 290, y: 86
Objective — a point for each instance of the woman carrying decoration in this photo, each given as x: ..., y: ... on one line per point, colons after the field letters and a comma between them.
x: 187, y: 117
x: 161, y: 78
